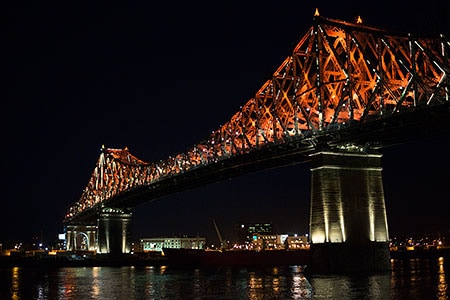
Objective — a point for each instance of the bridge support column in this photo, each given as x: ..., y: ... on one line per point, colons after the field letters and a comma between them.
x: 348, y: 223
x: 114, y: 232
x: 81, y: 237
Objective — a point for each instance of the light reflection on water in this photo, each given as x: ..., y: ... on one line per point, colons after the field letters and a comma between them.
x: 409, y: 279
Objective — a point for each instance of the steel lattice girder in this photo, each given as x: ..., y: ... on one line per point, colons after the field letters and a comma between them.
x: 345, y: 85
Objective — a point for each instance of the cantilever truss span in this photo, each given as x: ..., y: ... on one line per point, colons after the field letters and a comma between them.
x: 345, y: 86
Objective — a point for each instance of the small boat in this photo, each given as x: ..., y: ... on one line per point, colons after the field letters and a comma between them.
x: 236, y: 258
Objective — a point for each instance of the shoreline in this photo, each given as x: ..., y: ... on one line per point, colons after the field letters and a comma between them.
x: 100, y: 260
x: 89, y: 261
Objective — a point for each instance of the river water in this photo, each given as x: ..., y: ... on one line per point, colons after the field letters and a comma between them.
x: 409, y: 279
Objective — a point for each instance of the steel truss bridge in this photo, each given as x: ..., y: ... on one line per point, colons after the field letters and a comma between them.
x: 346, y: 88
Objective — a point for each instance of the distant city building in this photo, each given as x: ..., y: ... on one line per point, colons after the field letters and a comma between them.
x: 266, y: 241
x: 278, y: 241
x: 261, y: 236
x: 246, y: 231
x: 297, y: 242
x: 156, y: 244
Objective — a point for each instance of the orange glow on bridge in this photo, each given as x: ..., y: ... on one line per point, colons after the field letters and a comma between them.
x: 338, y: 75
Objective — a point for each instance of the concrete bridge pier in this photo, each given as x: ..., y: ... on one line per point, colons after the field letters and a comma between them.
x: 114, y: 235
x: 348, y: 223
x: 81, y: 237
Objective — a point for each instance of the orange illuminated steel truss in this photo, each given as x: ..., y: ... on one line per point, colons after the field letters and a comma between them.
x: 339, y: 74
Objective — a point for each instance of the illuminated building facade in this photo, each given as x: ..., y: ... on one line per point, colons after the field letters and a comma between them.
x: 245, y: 231
x: 278, y: 241
x: 158, y: 243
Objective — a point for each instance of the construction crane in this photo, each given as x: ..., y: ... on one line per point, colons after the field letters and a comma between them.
x: 219, y: 236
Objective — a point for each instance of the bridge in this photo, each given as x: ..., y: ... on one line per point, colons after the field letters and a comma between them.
x: 346, y: 92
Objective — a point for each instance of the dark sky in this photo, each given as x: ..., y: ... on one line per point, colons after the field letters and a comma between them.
x: 158, y: 79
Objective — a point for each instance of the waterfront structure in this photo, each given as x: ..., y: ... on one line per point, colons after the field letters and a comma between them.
x: 276, y: 242
x: 157, y: 244
x: 347, y: 91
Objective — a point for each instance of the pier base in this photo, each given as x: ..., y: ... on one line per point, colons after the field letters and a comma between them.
x: 344, y: 258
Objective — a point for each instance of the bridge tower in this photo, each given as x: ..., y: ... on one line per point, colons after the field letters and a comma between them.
x: 111, y: 234
x: 114, y: 235
x: 348, y: 223
x: 81, y: 238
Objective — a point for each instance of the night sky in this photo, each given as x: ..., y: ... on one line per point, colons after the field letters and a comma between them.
x: 158, y: 79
